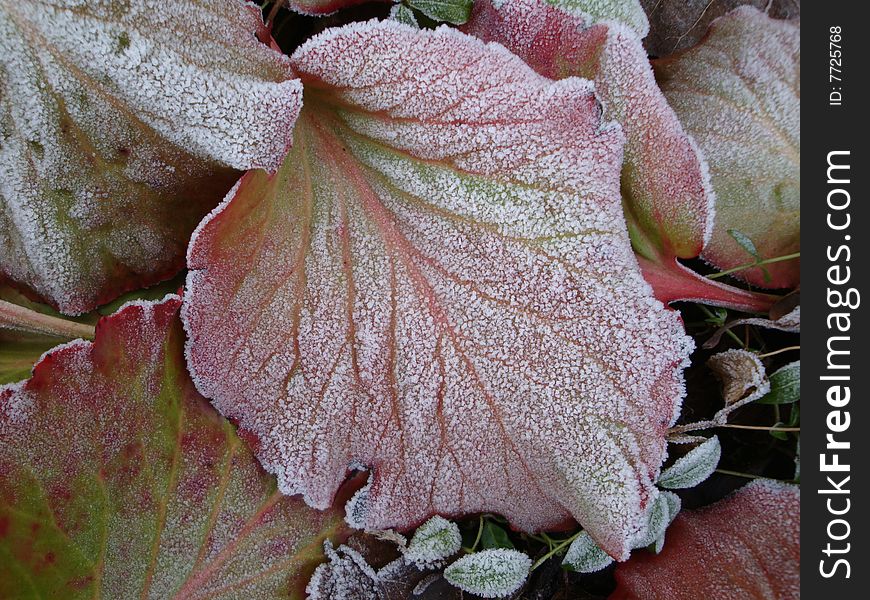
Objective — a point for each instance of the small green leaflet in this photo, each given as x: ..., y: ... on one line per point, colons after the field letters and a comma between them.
x: 785, y: 385
x: 434, y: 540
x: 744, y: 241
x: 443, y: 11
x: 404, y: 14
x: 584, y: 555
x: 490, y: 573
x: 494, y: 536
x: 694, y: 467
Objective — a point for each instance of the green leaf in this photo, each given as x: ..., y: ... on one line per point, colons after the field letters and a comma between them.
x: 121, y: 481
x: 490, y: 573
x: 693, y: 468
x: 404, y: 14
x: 434, y: 540
x: 494, y: 536
x: 738, y: 94
x: 121, y: 125
x: 785, y: 385
x: 584, y: 555
x: 444, y: 11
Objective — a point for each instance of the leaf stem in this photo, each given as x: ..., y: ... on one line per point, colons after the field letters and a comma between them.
x: 556, y: 549
x: 760, y: 428
x: 17, y: 317
x: 754, y: 264
x: 780, y: 351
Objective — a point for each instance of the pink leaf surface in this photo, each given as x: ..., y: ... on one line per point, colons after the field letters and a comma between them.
x: 667, y: 195
x: 746, y: 546
x: 438, y: 286
x: 122, y: 125
x: 738, y: 93
x: 118, y: 480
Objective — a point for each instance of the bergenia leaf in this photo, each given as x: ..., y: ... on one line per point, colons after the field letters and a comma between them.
x: 490, y: 573
x: 584, y: 555
x: 118, y: 480
x: 438, y: 285
x: 738, y: 94
x: 746, y: 546
x: 666, y: 189
x: 627, y: 12
x: 693, y: 468
x: 679, y: 24
x: 120, y: 127
x: 434, y: 540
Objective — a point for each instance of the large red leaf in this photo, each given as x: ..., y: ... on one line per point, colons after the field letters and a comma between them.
x: 120, y: 126
x: 438, y: 285
x: 118, y: 480
x: 746, y: 546
x: 738, y: 93
x: 666, y: 190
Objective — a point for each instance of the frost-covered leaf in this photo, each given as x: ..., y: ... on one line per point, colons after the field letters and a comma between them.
x: 658, y: 519
x: 444, y: 11
x: 665, y: 186
x: 627, y: 12
x: 693, y: 468
x: 785, y: 385
x: 584, y: 555
x: 118, y: 480
x: 746, y: 546
x: 345, y: 575
x: 743, y: 376
x: 403, y: 14
x: 490, y: 573
x: 438, y: 285
x: 120, y: 126
x: 679, y: 24
x: 434, y: 540
x: 738, y: 94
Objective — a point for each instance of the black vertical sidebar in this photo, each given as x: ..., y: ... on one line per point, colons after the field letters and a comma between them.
x: 835, y: 298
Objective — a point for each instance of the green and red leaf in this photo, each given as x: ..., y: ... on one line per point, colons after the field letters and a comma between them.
x: 438, y: 286
x: 117, y: 479
x: 667, y: 195
x: 121, y: 126
x: 738, y: 94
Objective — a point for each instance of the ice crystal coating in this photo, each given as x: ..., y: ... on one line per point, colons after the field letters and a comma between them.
x: 118, y: 480
x: 667, y: 194
x: 438, y: 284
x: 434, y: 540
x: 746, y: 546
x: 490, y: 573
x: 693, y: 468
x: 738, y: 94
x: 628, y: 12
x: 120, y: 124
x: 584, y: 555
